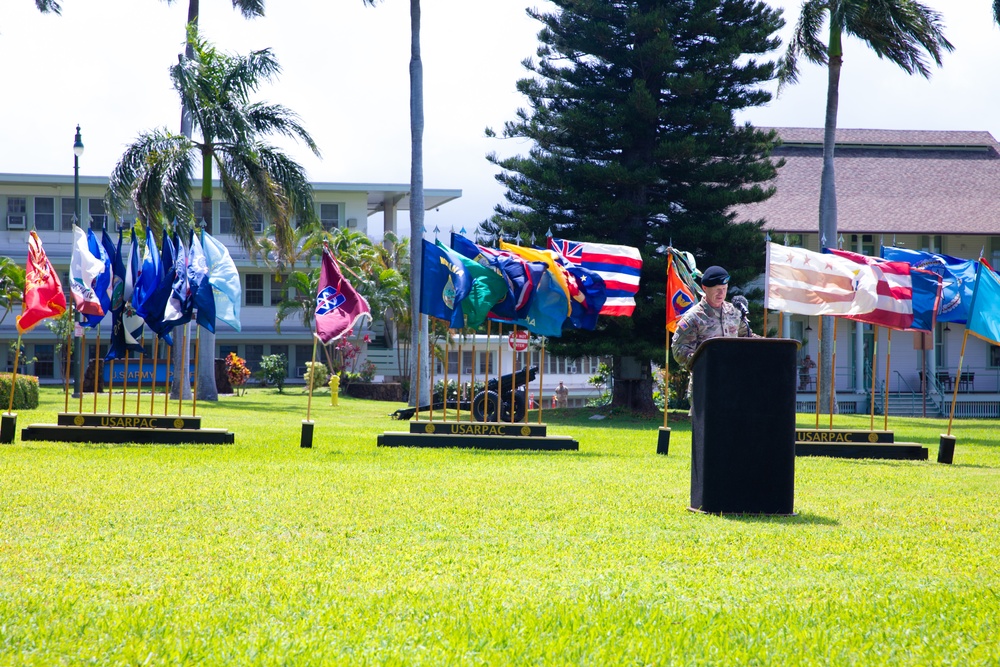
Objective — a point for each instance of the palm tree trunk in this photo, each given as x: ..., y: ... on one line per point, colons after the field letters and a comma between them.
x: 418, y: 330
x: 828, y: 205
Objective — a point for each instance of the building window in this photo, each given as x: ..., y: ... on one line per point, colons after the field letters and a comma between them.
x: 225, y: 350
x: 198, y: 211
x: 329, y: 215
x: 45, y: 213
x: 253, y: 292
x: 126, y: 218
x: 17, y: 217
x: 45, y: 361
x: 279, y: 289
x: 939, y: 335
x: 67, y: 208
x: 253, y: 357
x: 930, y: 243
x: 225, y: 218
x: 258, y: 223
x: 98, y: 214
x: 303, y: 355
x: 487, y: 363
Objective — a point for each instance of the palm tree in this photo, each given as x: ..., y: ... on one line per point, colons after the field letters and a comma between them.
x: 11, y: 285
x: 156, y: 171
x: 48, y: 6
x: 902, y: 31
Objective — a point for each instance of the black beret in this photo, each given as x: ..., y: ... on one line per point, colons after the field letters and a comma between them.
x: 714, y: 275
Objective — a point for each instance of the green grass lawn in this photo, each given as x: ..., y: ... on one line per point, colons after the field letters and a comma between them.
x: 263, y: 552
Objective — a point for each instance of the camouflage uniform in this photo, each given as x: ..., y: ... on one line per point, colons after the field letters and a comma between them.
x: 699, y: 324
x: 702, y: 322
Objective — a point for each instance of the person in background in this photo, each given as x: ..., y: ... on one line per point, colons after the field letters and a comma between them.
x: 807, y: 365
x: 562, y: 396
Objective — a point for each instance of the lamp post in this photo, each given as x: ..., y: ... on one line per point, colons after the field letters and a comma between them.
x: 77, y: 152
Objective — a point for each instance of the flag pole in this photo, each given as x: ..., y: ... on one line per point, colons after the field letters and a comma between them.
x: 180, y: 383
x: 125, y: 380
x: 83, y: 355
x: 833, y: 375
x: 431, y: 361
x: 138, y: 392
x: 541, y: 377
x: 166, y: 381
x: 954, y: 395
x: 458, y: 382
x: 513, y: 373
x: 819, y: 367
x: 447, y: 362
x: 194, y: 393
x: 13, y: 379
x: 885, y: 390
x: 472, y: 388
x: 69, y: 361
x: 97, y: 356
x: 156, y: 352
x: 871, y: 421
x: 111, y: 383
x: 666, y: 379
x: 765, y: 325
x: 416, y: 401
x: 309, y: 403
x: 499, y: 367
x: 486, y: 373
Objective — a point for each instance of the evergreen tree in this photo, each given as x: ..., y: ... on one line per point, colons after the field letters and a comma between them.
x: 635, y: 143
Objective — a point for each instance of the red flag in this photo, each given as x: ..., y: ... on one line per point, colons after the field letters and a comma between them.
x: 43, y: 293
x: 894, y: 290
x: 679, y: 296
x: 338, y: 305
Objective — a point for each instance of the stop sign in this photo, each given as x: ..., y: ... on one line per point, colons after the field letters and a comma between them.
x: 518, y: 340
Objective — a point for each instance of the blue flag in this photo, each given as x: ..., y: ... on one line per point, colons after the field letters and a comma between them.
x: 225, y: 281
x: 547, y: 309
x: 958, y: 279
x: 444, y: 283
x: 180, y: 302
x: 583, y: 314
x: 102, y: 284
x: 148, y: 276
x: 151, y: 307
x: 201, y: 290
x: 984, y: 312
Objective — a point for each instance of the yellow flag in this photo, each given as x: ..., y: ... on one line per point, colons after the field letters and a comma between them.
x: 549, y: 258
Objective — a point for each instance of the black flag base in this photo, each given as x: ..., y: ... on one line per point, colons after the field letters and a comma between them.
x: 663, y: 441
x: 122, y: 428
x: 8, y: 428
x: 946, y: 449
x: 306, y: 441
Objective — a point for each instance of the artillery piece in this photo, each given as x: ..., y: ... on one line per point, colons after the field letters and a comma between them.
x: 493, y: 404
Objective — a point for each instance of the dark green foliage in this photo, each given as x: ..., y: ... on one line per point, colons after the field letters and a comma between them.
x: 631, y: 113
x: 25, y: 392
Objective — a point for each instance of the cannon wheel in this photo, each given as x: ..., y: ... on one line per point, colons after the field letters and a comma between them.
x: 486, y: 406
x: 519, y: 408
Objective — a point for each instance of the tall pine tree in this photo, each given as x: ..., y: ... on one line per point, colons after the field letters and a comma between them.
x: 634, y: 142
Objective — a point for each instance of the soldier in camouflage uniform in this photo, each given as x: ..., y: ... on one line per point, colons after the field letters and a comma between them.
x: 711, y: 317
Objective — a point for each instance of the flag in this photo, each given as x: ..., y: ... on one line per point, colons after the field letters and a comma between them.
x: 680, y: 297
x: 444, y: 283
x: 958, y: 279
x: 84, y: 268
x: 984, y: 308
x: 149, y: 272
x: 618, y: 265
x: 180, y: 302
x: 894, y: 290
x: 43, y: 293
x: 151, y: 305
x: 105, y: 251
x: 810, y: 283
x: 338, y: 306
x: 583, y: 314
x: 126, y: 327
x: 547, y: 257
x: 487, y: 288
x: 201, y: 289
x: 518, y: 275
x: 927, y: 287
x: 547, y: 310
x: 224, y: 279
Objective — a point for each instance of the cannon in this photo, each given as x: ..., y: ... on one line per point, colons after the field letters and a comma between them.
x: 493, y: 403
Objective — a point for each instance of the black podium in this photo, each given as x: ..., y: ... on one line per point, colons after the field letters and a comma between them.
x: 743, y: 426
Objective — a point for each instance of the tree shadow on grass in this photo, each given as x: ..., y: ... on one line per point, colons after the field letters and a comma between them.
x: 799, y: 519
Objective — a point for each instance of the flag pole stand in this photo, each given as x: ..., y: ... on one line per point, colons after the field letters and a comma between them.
x: 306, y: 439
x: 8, y: 427
x: 946, y: 446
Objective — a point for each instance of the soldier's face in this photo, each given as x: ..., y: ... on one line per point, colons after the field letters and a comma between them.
x: 715, y: 295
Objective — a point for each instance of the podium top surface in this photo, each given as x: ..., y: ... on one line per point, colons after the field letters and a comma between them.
x: 726, y: 340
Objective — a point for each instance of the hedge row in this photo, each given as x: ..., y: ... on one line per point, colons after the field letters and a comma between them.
x: 25, y: 392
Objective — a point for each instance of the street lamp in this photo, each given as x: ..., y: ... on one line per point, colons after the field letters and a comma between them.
x: 77, y: 152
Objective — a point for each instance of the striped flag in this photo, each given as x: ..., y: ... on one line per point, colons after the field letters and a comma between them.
x: 810, y: 283
x: 618, y: 265
x: 895, y: 291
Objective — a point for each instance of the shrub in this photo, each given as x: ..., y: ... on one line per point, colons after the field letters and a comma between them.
x: 25, y: 392
x: 273, y: 369
x: 236, y: 368
x: 317, y: 375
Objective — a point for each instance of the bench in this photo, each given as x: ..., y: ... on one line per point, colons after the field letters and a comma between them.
x: 967, y: 381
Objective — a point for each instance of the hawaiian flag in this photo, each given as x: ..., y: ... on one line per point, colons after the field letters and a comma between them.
x: 618, y: 265
x: 680, y: 297
x: 338, y: 305
x: 43, y: 293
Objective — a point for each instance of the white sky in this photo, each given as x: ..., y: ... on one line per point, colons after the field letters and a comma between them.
x: 345, y: 72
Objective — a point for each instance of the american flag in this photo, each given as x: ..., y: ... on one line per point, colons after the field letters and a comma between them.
x: 618, y: 265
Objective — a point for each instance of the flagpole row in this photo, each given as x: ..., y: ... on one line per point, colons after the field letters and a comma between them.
x: 194, y: 392
x: 13, y: 377
x: 125, y: 381
x: 166, y: 380
x: 156, y: 353
x: 431, y: 360
x: 472, y: 388
x: 97, y: 356
x: 111, y: 382
x: 458, y: 384
x: 513, y: 374
x: 486, y: 373
x: 447, y: 360
x: 184, y: 365
x: 833, y: 375
x: 541, y: 377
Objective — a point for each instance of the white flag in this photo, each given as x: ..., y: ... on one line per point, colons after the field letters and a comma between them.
x: 84, y: 267
x: 811, y: 283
